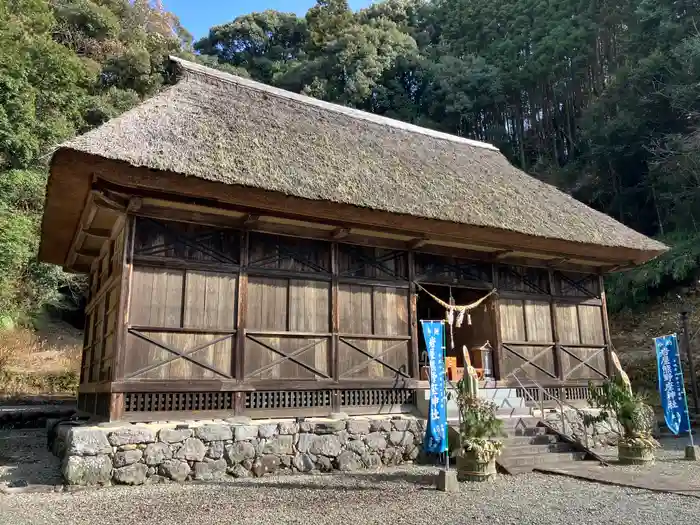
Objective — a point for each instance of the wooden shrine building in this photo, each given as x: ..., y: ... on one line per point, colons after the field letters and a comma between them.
x: 257, y: 252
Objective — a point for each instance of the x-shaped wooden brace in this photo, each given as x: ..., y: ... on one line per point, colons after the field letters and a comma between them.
x: 530, y: 361
x: 526, y: 281
x: 583, y: 362
x: 377, y: 358
x: 192, y: 241
x: 179, y: 354
x: 284, y: 251
x: 577, y: 284
x: 375, y: 263
x: 460, y: 269
x: 291, y: 357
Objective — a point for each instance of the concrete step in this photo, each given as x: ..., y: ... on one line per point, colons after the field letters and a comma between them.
x: 534, y: 461
x: 535, y: 450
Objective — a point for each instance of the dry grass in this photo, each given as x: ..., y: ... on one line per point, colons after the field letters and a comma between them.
x: 32, y: 365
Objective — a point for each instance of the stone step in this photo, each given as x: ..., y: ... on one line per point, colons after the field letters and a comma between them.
x: 497, y: 394
x: 512, y: 411
x: 538, y: 439
x: 534, y: 461
x: 535, y: 450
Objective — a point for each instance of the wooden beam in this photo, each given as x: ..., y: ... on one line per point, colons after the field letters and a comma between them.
x: 86, y: 218
x: 104, y: 201
x: 340, y: 233
x: 91, y: 254
x: 417, y: 243
x: 101, y: 233
x: 250, y: 221
x: 501, y: 255
x: 556, y: 262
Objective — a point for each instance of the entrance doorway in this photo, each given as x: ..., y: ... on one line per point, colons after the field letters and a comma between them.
x: 481, y: 331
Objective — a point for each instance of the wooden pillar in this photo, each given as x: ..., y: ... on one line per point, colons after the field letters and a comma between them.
x: 497, y: 358
x: 413, y: 357
x: 606, y: 327
x: 116, y: 407
x: 334, y: 357
x: 124, y: 299
x: 238, y: 364
x: 558, y: 357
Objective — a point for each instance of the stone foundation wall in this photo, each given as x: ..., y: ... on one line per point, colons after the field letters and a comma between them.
x: 152, y: 453
x: 602, y: 434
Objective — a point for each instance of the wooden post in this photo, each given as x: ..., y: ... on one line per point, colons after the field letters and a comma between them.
x: 691, y: 365
x: 497, y: 358
x: 242, y: 309
x: 335, y: 327
x: 606, y: 327
x: 124, y: 299
x: 116, y: 407
x: 413, y: 357
x: 558, y: 357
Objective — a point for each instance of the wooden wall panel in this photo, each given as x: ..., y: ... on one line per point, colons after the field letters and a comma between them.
x: 591, y: 325
x: 210, y: 300
x: 538, y: 319
x: 512, y: 319
x: 156, y: 298
x: 391, y: 311
x: 389, y: 358
x: 267, y: 304
x: 309, y: 306
x: 355, y: 309
x: 567, y: 323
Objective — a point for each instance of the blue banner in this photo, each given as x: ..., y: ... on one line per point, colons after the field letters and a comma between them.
x: 436, y: 431
x: 671, y: 386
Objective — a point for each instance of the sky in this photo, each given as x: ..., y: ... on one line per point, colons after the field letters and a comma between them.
x: 197, y: 16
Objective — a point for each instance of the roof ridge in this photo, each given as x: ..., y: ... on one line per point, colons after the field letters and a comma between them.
x: 336, y: 108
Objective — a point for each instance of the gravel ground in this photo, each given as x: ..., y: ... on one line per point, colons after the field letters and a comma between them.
x: 392, y: 496
x: 670, y: 461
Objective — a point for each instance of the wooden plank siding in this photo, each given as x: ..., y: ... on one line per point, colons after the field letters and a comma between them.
x: 228, y: 320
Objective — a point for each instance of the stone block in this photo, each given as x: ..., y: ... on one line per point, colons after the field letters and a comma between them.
x: 87, y: 470
x: 400, y: 425
x: 239, y: 451
x: 131, y: 475
x: 191, y: 450
x: 324, y: 464
x: 268, y: 464
x: 175, y: 470
x: 375, y: 441
x: 267, y: 430
x: 216, y: 450
x: 209, y: 470
x: 326, y: 445
x: 279, y: 445
x: 400, y: 438
x: 357, y: 446
x: 304, y: 442
x: 372, y: 460
x: 210, y: 433
x: 132, y: 434
x: 157, y: 453
x: 330, y: 426
x: 174, y: 435
x: 288, y: 428
x: 380, y: 425
x: 87, y: 442
x: 239, y: 471
x: 245, y: 432
x: 691, y: 453
x: 238, y: 420
x: 303, y: 463
x: 348, y: 461
x: 446, y: 481
x: 127, y: 457
x: 358, y: 426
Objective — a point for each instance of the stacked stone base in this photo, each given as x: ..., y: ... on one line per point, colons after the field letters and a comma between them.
x: 209, y: 450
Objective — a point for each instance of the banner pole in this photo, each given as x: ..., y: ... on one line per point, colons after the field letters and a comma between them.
x: 685, y: 394
x: 444, y: 397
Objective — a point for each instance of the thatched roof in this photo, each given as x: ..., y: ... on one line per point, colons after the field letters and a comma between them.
x: 226, y: 129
